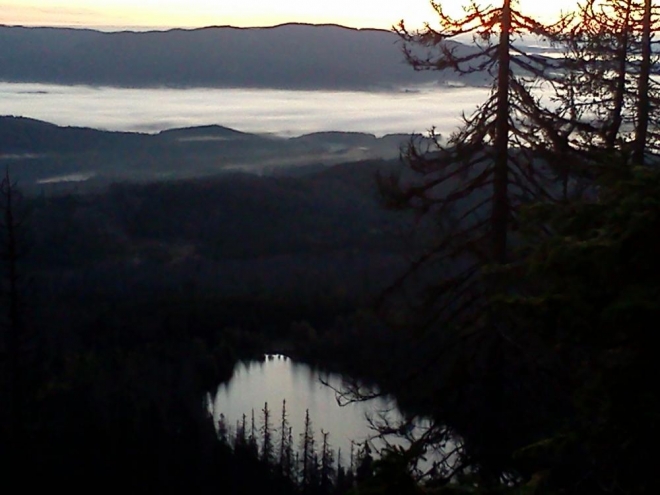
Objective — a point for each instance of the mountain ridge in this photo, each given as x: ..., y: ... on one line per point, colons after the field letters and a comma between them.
x: 99, y: 29
x: 286, y: 56
x: 39, y: 152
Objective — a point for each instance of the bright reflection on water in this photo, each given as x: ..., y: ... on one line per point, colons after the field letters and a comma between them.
x: 279, y: 378
x: 283, y: 112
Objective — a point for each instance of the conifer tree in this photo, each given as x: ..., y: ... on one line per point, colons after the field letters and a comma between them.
x: 341, y: 474
x: 253, y: 443
x: 241, y: 440
x: 608, y: 67
x: 314, y: 474
x: 327, y: 474
x: 365, y: 463
x: 285, y: 448
x: 291, y: 462
x: 223, y: 431
x: 472, y: 186
x: 307, y: 455
x: 645, y: 82
x: 469, y: 190
x: 12, y: 328
x: 512, y: 151
x: 351, y: 458
x: 266, y: 436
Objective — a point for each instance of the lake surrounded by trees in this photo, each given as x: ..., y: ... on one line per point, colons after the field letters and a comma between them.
x: 279, y: 378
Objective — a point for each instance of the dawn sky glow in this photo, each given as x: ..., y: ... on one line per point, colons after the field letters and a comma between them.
x: 198, y: 13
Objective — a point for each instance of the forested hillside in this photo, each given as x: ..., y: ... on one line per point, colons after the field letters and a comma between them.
x: 294, y: 56
x: 46, y: 157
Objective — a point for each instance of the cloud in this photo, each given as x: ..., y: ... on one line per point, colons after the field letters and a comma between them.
x: 261, y: 111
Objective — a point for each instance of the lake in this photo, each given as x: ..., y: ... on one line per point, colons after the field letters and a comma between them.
x: 282, y: 112
x: 279, y: 378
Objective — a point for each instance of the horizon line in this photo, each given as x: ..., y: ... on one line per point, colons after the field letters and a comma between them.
x: 162, y: 29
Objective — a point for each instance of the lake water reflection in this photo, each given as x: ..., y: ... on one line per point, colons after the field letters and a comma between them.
x: 279, y: 378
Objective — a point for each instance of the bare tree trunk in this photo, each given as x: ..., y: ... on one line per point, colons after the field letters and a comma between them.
x: 620, y: 88
x: 500, y: 212
x: 10, y: 256
x: 643, y: 89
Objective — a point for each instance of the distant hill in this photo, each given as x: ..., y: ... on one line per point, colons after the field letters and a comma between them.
x: 293, y: 56
x: 39, y: 153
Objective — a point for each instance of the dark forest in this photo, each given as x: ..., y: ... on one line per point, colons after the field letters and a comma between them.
x: 497, y: 282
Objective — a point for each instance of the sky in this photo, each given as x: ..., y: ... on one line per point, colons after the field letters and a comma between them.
x: 119, y: 14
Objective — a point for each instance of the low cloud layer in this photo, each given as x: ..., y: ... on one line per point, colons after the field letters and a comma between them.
x: 287, y: 113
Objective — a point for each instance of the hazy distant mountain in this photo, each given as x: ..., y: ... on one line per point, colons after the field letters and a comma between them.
x: 296, y: 56
x: 39, y: 153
